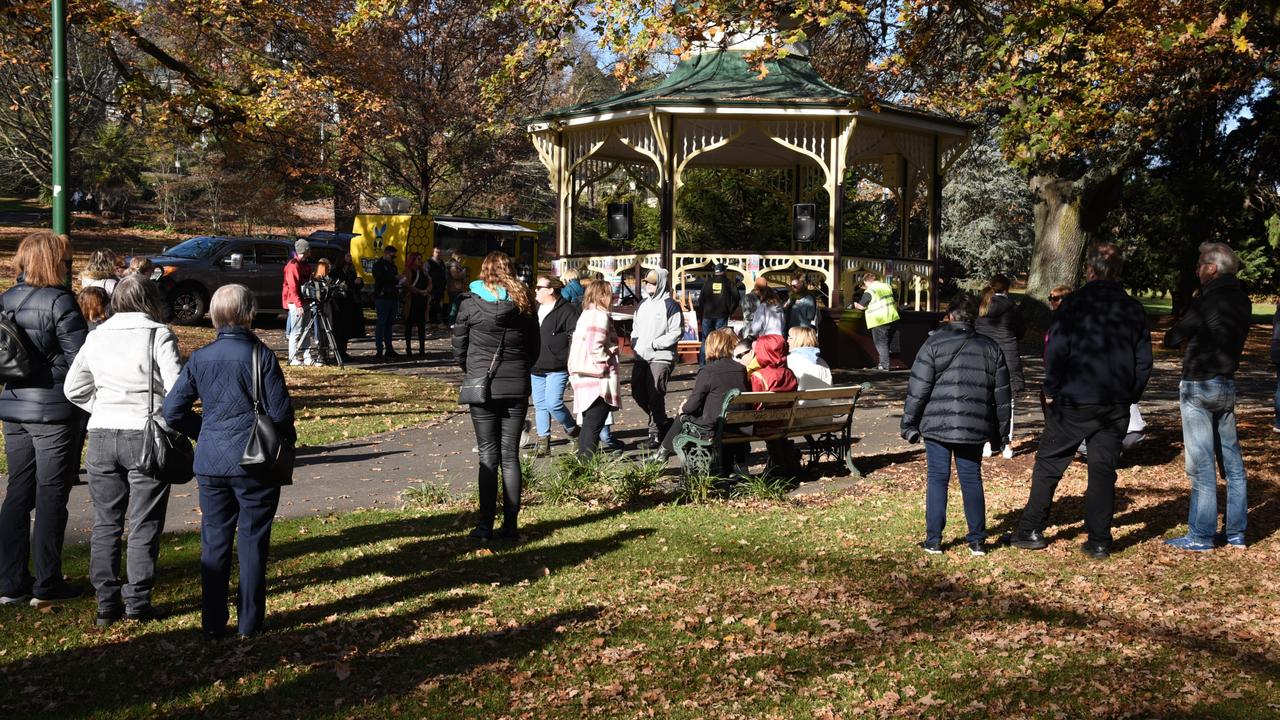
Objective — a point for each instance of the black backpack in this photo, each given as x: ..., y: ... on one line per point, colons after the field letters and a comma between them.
x: 16, y: 355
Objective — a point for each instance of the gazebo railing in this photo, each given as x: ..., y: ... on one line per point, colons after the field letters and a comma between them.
x: 913, y: 278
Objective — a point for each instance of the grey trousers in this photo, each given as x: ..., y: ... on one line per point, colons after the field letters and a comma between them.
x: 116, y: 488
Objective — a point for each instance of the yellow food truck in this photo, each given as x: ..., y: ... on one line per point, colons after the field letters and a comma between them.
x: 472, y: 237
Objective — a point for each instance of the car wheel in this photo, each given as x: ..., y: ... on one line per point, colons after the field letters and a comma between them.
x: 187, y: 305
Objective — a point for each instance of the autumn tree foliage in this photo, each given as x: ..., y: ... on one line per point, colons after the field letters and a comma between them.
x: 369, y: 97
x: 1075, y: 92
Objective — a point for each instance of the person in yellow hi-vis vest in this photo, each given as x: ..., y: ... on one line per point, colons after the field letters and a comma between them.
x: 880, y: 312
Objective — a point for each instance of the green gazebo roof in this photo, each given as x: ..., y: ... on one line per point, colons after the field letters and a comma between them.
x: 725, y: 78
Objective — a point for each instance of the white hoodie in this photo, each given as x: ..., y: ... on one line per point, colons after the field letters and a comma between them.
x: 108, y: 378
x: 658, y: 325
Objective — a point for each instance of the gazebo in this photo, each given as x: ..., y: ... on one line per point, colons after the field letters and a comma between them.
x: 715, y: 110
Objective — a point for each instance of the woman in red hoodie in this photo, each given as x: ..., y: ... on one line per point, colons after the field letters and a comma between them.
x: 773, y: 375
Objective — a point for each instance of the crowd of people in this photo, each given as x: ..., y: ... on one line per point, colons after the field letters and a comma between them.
x: 1097, y: 363
x: 325, y: 306
x: 106, y: 377
x: 562, y: 338
x: 105, y: 370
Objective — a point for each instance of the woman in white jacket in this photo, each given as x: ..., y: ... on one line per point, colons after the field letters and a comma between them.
x: 112, y: 378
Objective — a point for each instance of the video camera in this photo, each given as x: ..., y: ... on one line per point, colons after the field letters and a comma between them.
x: 322, y: 290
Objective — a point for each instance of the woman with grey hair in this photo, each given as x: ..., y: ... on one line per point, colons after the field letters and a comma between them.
x: 220, y: 375
x: 130, y: 359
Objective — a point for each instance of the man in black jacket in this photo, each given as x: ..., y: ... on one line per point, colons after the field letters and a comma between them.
x: 717, y: 302
x: 439, y: 278
x: 1097, y: 361
x: 1214, y: 329
x: 386, y: 298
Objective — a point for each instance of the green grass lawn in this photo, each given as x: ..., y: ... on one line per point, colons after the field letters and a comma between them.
x: 779, y: 610
x: 11, y: 204
x: 1163, y: 305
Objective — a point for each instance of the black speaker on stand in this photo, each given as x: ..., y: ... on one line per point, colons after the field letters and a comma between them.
x: 804, y: 222
x: 620, y: 221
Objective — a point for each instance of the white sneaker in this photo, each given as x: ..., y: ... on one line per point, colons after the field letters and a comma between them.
x: 986, y: 450
x: 1007, y: 453
x: 295, y: 363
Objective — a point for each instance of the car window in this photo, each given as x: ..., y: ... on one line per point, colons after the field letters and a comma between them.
x: 272, y: 254
x: 195, y: 248
x: 245, y: 250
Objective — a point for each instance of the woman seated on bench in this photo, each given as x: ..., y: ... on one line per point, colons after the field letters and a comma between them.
x: 714, y: 381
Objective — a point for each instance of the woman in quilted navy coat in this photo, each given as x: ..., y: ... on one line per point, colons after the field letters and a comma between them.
x: 957, y: 399
x: 220, y: 375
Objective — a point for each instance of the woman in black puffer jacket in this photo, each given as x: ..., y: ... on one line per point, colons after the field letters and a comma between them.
x: 496, y: 321
x: 957, y: 399
x: 42, y: 428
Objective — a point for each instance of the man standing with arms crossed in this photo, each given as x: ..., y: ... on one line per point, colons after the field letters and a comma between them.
x: 438, y: 275
x: 717, y: 302
x: 655, y: 333
x: 1096, y: 363
x: 1214, y: 329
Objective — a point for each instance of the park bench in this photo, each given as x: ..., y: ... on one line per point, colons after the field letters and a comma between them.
x: 827, y: 428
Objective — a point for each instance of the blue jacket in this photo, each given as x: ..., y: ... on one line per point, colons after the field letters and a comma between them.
x: 220, y: 375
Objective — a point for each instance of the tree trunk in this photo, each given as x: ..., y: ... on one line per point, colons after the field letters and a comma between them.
x: 1059, y: 244
x: 1067, y: 215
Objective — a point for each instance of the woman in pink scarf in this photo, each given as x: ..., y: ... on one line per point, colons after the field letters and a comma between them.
x: 593, y: 366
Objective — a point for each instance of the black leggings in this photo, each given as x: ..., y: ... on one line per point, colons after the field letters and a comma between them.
x: 592, y: 422
x: 417, y: 317
x: 498, y: 424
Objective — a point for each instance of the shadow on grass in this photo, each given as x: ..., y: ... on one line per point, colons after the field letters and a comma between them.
x: 181, y: 663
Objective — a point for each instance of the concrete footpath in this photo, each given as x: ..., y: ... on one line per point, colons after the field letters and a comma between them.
x: 371, y: 472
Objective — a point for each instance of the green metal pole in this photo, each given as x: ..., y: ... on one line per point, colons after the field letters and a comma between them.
x: 61, y: 214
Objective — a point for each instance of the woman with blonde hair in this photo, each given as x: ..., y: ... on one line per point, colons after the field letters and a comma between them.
x: 101, y: 271
x: 573, y: 289
x: 593, y: 366
x: 714, y: 381
x: 495, y: 340
x: 42, y: 428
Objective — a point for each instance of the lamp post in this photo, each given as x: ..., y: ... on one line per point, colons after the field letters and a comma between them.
x: 61, y: 216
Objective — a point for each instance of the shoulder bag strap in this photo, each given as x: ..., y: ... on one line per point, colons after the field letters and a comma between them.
x: 493, y: 364
x: 257, y: 390
x: 151, y: 374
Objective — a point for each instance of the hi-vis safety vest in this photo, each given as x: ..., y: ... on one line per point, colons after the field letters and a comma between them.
x: 882, y: 310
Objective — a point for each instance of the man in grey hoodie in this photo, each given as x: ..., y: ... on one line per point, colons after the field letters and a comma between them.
x: 656, y: 330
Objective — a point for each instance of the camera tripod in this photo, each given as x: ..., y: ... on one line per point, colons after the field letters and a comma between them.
x: 322, y: 329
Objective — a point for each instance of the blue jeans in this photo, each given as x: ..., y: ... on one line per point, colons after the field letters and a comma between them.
x: 386, y: 311
x: 548, y: 402
x: 969, y: 470
x: 1209, y: 429
x: 708, y: 325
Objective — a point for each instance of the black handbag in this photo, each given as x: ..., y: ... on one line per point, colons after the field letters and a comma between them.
x: 475, y: 390
x: 266, y: 449
x: 166, y: 453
